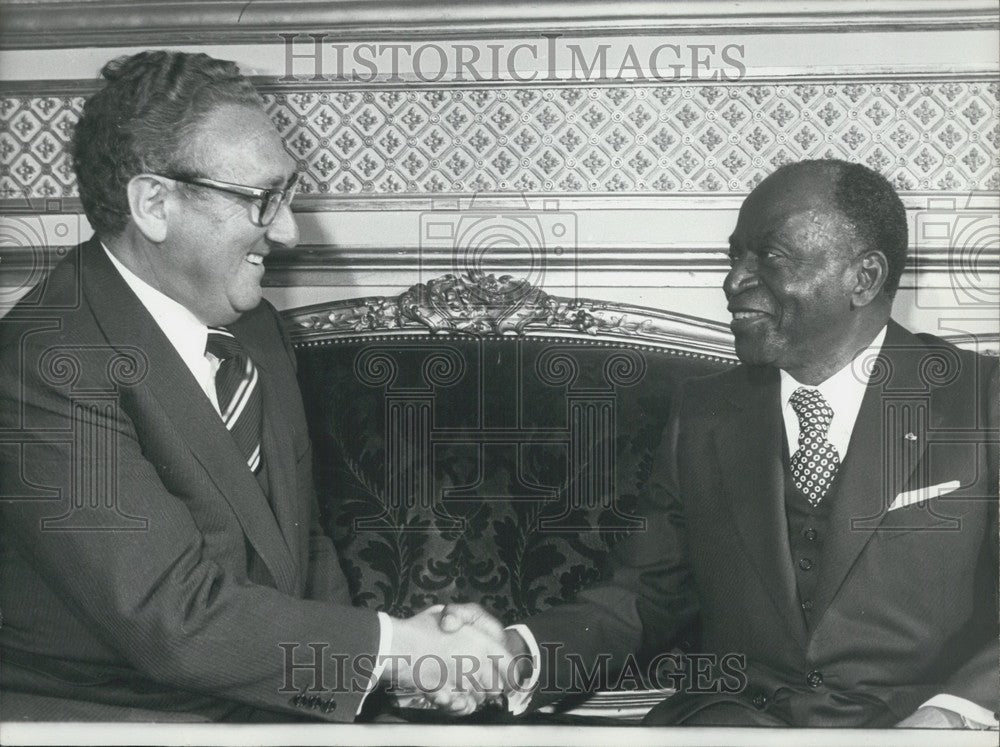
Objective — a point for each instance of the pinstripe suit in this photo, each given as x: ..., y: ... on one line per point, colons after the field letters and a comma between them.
x: 173, y: 591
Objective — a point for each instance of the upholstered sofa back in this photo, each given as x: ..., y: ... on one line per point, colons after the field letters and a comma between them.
x: 473, y: 447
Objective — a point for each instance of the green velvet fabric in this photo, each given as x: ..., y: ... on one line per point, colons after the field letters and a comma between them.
x: 498, y: 470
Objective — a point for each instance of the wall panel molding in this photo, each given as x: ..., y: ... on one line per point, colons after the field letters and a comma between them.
x: 41, y: 24
x: 971, y: 270
x: 272, y: 85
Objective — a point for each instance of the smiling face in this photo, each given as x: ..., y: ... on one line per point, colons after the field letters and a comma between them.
x: 793, y: 278
x: 212, y: 259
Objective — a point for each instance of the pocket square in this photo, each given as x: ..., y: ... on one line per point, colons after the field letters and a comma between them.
x: 910, y: 497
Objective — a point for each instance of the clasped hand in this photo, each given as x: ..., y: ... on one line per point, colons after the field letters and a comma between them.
x: 457, y: 657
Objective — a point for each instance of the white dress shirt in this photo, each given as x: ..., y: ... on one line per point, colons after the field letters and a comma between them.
x: 843, y: 392
x: 188, y: 335
x: 181, y: 327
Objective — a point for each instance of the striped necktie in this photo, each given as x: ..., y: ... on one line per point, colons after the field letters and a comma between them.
x: 237, y: 385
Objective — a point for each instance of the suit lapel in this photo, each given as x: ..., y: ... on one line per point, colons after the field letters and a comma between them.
x: 126, y: 322
x: 276, y: 441
x: 881, y: 461
x: 749, y: 456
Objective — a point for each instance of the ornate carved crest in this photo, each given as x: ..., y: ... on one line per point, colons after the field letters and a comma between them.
x: 486, y: 305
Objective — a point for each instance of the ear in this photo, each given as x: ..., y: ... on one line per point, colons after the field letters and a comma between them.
x: 147, y: 198
x: 872, y: 271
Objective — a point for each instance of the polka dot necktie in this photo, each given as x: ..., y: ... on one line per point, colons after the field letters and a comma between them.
x: 238, y: 390
x: 815, y: 463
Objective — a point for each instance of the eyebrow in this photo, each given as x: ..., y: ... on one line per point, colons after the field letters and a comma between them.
x: 764, y: 237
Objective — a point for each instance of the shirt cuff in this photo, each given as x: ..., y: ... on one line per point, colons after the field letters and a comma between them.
x: 520, y: 695
x: 976, y: 715
x: 384, y: 647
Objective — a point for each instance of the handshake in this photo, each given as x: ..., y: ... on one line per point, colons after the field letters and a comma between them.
x: 457, y: 657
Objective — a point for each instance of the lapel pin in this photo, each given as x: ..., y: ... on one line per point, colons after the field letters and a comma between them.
x: 910, y: 436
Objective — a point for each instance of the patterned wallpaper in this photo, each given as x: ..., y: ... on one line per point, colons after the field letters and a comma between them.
x: 930, y: 135
x: 34, y: 137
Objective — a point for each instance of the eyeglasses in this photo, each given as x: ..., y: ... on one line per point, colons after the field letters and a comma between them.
x: 271, y: 200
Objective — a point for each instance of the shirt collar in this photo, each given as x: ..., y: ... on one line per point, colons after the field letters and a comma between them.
x: 845, y: 389
x: 183, y: 329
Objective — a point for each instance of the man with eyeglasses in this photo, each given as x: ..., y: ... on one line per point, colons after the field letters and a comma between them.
x: 161, y: 556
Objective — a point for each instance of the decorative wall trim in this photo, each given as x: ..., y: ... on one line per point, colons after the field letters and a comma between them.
x: 938, y: 135
x: 319, y: 204
x: 968, y: 271
x: 306, y: 261
x: 270, y: 84
x: 42, y: 24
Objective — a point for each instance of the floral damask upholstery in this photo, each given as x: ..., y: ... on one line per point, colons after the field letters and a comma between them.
x: 479, y: 440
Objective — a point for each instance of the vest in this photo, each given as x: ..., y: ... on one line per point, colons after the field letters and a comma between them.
x: 807, y: 529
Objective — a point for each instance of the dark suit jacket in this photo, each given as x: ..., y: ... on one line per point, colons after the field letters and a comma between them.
x: 142, y: 566
x: 906, y: 602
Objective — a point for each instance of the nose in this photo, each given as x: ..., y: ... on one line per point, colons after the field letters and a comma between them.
x: 742, y: 274
x: 284, y: 229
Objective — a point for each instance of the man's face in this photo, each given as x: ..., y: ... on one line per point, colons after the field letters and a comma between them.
x: 212, y: 260
x: 791, y: 275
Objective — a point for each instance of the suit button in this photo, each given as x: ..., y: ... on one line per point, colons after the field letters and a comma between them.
x: 814, y: 679
x: 759, y: 701
x: 810, y: 534
x: 807, y: 605
x: 805, y: 564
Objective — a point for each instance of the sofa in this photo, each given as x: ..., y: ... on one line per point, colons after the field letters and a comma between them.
x: 478, y: 439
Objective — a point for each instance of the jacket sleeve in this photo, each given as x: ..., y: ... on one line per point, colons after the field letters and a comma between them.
x: 976, y: 678
x: 153, y: 594
x: 645, y: 603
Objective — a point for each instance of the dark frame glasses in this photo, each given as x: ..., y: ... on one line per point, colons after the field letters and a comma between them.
x: 271, y: 200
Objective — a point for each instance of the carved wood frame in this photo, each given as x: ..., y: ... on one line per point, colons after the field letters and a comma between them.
x: 481, y: 305
x: 491, y: 306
